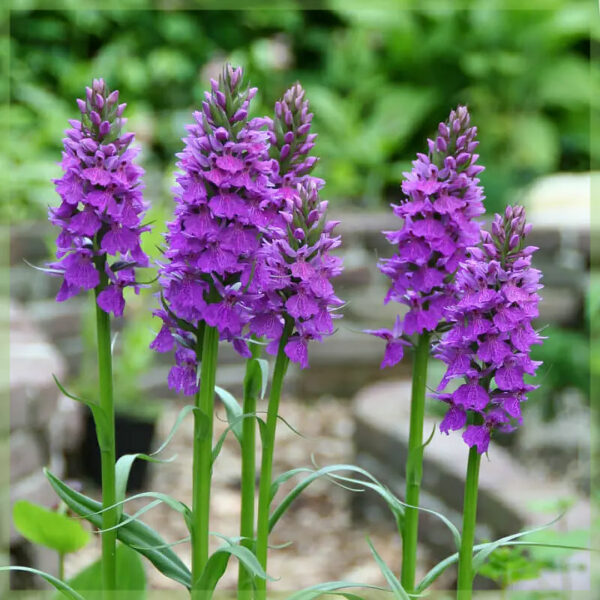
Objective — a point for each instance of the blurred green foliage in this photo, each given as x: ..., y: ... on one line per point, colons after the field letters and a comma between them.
x: 379, y: 81
x: 565, y: 356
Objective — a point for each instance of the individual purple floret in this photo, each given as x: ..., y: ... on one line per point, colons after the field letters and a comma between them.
x: 395, y: 343
x: 294, y: 278
x: 102, y: 204
x: 291, y: 142
x: 491, y: 333
x: 224, y: 199
x: 442, y: 197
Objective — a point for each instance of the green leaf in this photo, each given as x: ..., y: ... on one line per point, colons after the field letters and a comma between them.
x: 130, y: 577
x: 277, y: 482
x: 256, y: 378
x: 217, y: 563
x: 481, y: 556
x: 183, y: 413
x: 396, y: 505
x: 235, y: 423
x: 331, y: 587
x: 482, y: 551
x: 47, y: 528
x: 233, y: 410
x: 136, y: 535
x: 122, y: 470
x: 61, y: 586
x: 100, y: 417
x: 395, y: 585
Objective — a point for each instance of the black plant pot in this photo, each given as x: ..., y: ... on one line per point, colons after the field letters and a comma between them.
x: 131, y: 436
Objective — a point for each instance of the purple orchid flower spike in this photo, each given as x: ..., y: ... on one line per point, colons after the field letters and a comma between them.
x: 224, y: 199
x: 292, y: 141
x: 102, y: 204
x: 394, y: 349
x: 442, y: 197
x: 491, y: 333
x: 294, y: 271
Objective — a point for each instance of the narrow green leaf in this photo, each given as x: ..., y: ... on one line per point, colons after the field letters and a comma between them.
x: 213, y: 571
x: 183, y: 413
x: 122, y: 470
x: 510, y: 540
x: 217, y: 563
x: 61, y: 586
x: 395, y: 585
x: 136, y: 535
x: 100, y: 416
x: 482, y: 555
x: 281, y: 479
x: 233, y: 410
x: 257, y: 377
x: 331, y: 587
x: 47, y: 528
x: 397, y: 506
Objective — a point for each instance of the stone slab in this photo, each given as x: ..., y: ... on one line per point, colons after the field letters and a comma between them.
x: 507, y: 489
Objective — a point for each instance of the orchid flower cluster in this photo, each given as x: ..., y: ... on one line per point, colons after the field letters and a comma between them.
x: 249, y: 259
x: 471, y: 296
x: 442, y: 197
x: 491, y: 333
x: 102, y: 204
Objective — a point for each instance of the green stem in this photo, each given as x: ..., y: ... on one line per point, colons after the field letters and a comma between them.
x: 251, y: 392
x: 414, y: 464
x: 61, y: 566
x: 266, y: 468
x: 202, y: 454
x: 465, y: 557
x: 106, y: 441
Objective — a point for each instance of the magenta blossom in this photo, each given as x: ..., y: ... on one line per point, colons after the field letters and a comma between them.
x: 489, y: 342
x: 442, y: 197
x: 102, y: 204
x: 294, y: 271
x: 224, y: 199
x: 394, y: 348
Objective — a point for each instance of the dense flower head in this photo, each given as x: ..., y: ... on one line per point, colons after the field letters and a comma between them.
x: 293, y: 276
x: 224, y: 199
x: 292, y: 141
x: 102, y: 204
x: 442, y: 197
x: 489, y: 342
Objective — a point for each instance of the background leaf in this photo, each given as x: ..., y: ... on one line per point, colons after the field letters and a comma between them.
x: 47, y: 528
x: 131, y: 577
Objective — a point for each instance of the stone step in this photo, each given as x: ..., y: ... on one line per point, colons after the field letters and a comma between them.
x: 507, y: 490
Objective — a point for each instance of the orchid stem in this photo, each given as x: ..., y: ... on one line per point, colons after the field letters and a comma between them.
x: 251, y: 393
x: 465, y: 556
x: 202, y: 454
x: 266, y: 469
x: 414, y: 464
x: 106, y: 442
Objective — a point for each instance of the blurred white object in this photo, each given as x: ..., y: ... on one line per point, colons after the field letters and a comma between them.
x: 562, y: 200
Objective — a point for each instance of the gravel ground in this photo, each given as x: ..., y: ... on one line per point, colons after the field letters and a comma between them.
x: 324, y: 543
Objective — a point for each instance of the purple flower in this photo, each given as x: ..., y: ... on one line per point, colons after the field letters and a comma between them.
x: 394, y: 348
x: 442, y: 197
x: 224, y: 199
x: 291, y: 142
x: 102, y: 204
x: 490, y: 335
x: 293, y: 273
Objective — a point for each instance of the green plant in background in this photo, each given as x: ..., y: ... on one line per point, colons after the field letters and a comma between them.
x: 565, y: 355
x: 506, y: 566
x: 376, y: 79
x: 50, y: 528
